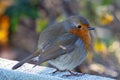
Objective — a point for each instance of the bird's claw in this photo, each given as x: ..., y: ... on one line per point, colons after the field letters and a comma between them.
x: 70, y: 73
x: 57, y: 70
x: 73, y: 74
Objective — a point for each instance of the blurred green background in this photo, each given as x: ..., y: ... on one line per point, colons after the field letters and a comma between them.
x: 21, y: 22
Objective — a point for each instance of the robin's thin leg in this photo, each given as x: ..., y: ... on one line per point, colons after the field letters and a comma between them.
x: 73, y: 74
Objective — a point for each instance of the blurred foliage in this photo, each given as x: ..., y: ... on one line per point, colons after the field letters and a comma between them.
x: 41, y: 24
x: 4, y: 23
x: 90, y: 10
x: 106, y: 19
x: 4, y: 30
x: 21, y: 8
x: 107, y: 2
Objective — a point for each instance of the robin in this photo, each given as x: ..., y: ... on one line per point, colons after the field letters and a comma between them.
x: 63, y: 45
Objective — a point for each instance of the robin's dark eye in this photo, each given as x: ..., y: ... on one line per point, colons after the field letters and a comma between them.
x: 79, y: 26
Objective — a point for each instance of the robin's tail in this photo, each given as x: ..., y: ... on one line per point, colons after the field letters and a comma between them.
x: 36, y: 53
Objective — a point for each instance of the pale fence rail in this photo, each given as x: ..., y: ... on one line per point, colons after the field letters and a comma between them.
x: 27, y: 72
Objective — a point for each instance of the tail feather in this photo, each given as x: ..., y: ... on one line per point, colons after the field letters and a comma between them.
x: 36, y: 53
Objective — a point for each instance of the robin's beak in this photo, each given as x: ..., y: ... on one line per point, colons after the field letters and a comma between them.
x: 91, y: 28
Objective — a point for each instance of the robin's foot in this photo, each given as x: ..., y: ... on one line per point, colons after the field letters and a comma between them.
x: 57, y: 70
x: 73, y: 74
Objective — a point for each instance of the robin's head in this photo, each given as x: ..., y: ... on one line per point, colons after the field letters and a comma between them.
x: 81, y: 28
x: 79, y: 25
